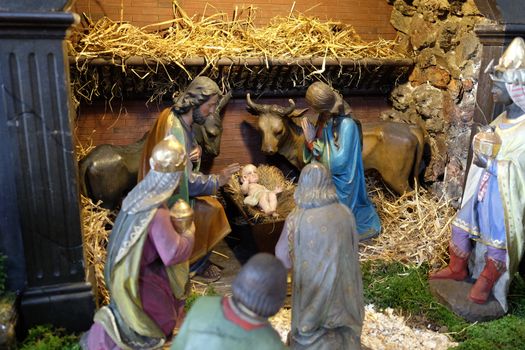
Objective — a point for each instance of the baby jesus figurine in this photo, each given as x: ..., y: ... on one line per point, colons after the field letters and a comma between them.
x: 257, y: 194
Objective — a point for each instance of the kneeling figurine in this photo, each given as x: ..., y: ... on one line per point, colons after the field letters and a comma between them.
x: 147, y: 269
x: 493, y: 209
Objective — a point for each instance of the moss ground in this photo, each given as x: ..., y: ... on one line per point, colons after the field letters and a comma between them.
x: 406, y: 290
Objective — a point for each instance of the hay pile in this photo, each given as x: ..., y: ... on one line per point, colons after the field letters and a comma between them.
x: 213, y: 37
x: 97, y: 223
x: 388, y: 331
x: 381, y: 331
x: 416, y: 228
x: 270, y: 177
x: 96, y: 226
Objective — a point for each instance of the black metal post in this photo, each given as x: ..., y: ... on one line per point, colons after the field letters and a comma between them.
x: 40, y: 227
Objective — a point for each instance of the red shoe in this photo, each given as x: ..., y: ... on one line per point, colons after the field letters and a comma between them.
x: 456, y: 269
x: 480, y: 291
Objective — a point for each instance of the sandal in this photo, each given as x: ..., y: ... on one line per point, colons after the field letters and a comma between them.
x: 210, y: 274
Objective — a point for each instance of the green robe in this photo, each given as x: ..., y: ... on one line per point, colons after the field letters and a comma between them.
x: 206, y: 327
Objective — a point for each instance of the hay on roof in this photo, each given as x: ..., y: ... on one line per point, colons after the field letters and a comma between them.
x: 295, y: 38
x: 213, y: 37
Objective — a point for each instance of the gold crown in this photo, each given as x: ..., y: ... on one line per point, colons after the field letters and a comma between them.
x: 511, y: 65
x: 168, y: 156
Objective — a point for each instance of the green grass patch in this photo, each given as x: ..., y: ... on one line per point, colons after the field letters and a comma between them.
x: 405, y: 289
x: 49, y: 338
x: 195, y: 295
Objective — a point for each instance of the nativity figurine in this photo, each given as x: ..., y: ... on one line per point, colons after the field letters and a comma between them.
x: 257, y: 194
x: 336, y: 141
x: 147, y: 268
x: 196, y: 104
x: 239, y: 321
x: 319, y: 243
x: 488, y: 231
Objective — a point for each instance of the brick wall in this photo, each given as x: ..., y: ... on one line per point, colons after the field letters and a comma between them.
x: 371, y: 18
x: 97, y: 124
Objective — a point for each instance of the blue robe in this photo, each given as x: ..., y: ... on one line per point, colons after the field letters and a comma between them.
x: 484, y: 220
x: 343, y: 158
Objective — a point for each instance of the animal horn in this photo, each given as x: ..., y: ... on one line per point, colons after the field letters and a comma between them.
x: 283, y: 111
x: 222, y: 103
x: 256, y: 107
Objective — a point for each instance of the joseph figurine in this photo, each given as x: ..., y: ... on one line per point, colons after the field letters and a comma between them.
x: 194, y: 105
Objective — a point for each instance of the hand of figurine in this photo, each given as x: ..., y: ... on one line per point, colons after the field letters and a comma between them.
x: 308, y: 129
x: 227, y: 173
x: 318, y: 148
x: 195, y: 154
x: 480, y: 160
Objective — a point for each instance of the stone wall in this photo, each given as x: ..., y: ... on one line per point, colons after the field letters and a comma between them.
x: 441, y: 91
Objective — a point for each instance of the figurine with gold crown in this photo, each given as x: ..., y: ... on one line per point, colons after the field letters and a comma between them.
x: 147, y: 268
x: 488, y: 231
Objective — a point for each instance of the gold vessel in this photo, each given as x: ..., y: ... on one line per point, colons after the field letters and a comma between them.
x: 181, y: 215
x: 487, y: 142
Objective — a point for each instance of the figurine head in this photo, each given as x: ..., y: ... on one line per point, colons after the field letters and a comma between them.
x: 321, y: 97
x: 508, y: 75
x: 511, y: 66
x: 168, y: 156
x: 181, y: 215
x: 315, y: 187
x: 260, y: 286
x: 202, y: 95
x: 249, y: 173
x: 500, y: 94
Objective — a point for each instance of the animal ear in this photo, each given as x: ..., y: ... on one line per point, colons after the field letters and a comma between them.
x: 298, y: 113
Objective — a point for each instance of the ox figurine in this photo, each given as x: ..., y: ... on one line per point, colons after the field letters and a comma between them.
x: 393, y: 149
x: 109, y: 172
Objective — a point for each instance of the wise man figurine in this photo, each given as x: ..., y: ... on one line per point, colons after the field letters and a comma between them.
x: 487, y: 232
x: 147, y: 268
x: 319, y: 243
x: 239, y: 321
